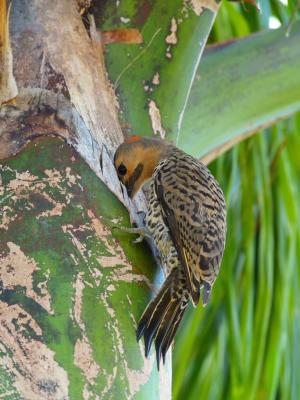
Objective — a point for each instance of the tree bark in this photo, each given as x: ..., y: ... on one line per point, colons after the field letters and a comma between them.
x: 71, y: 293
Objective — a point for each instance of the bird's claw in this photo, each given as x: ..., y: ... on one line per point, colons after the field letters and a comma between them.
x: 142, y: 232
x: 139, y: 239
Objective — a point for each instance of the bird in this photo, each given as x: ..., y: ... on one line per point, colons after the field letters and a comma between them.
x: 186, y: 219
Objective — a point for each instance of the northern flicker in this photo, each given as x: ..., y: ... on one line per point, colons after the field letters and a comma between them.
x: 186, y: 218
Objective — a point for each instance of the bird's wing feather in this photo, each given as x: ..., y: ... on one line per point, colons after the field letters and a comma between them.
x: 171, y: 222
x: 192, y: 205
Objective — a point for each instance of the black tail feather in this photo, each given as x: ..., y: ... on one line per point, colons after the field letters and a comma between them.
x: 155, y: 307
x: 153, y: 327
x: 161, y: 318
x: 164, y: 328
x: 167, y: 343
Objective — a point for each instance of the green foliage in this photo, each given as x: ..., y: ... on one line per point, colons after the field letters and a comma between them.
x: 226, y: 100
x: 241, y: 87
x: 132, y: 68
x: 244, y: 345
x: 247, y: 334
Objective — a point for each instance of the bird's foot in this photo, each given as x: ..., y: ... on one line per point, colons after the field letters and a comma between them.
x: 142, y: 232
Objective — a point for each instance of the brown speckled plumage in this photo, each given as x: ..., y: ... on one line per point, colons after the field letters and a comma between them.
x: 187, y: 219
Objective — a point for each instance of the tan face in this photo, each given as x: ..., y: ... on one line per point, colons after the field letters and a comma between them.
x: 130, y: 170
x: 135, y: 161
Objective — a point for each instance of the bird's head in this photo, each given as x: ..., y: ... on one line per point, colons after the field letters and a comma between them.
x: 136, y: 159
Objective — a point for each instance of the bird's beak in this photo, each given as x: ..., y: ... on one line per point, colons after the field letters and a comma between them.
x: 129, y: 188
x: 131, y: 183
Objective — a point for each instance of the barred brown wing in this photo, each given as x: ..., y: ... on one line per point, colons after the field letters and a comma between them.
x: 193, y: 209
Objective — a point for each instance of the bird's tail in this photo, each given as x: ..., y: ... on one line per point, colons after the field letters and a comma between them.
x: 163, y: 315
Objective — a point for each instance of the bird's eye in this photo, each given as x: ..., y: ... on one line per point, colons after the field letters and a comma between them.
x: 122, y: 170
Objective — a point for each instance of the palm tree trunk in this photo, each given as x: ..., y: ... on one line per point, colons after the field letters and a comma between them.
x: 72, y: 287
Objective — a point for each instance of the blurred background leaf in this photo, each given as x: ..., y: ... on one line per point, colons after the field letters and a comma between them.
x: 240, y: 87
x: 249, y: 332
x: 244, y: 345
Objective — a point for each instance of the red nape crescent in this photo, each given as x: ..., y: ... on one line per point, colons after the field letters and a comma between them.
x: 134, y: 138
